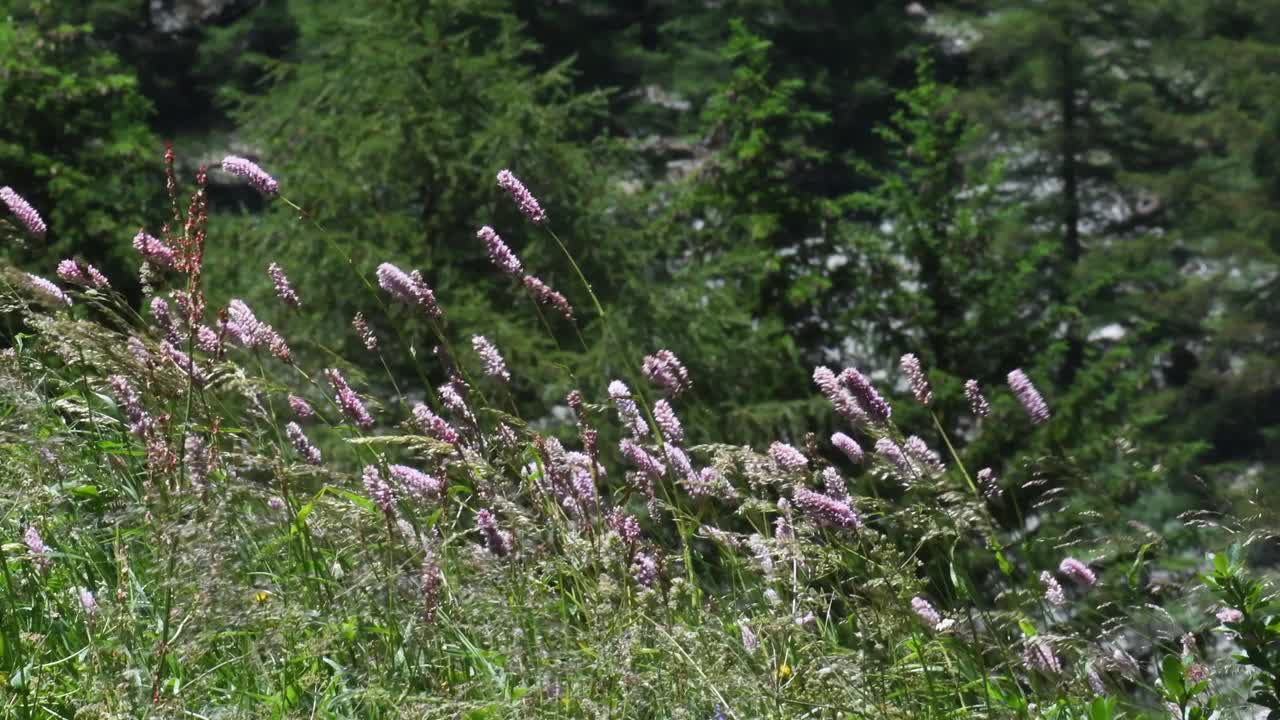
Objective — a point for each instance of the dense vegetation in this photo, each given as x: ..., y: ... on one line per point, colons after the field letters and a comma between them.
x: 380, y: 432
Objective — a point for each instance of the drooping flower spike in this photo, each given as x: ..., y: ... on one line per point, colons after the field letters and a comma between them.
x: 525, y: 200
x: 23, y: 211
x: 257, y: 177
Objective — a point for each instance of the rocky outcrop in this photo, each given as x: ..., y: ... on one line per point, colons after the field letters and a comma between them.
x: 176, y: 16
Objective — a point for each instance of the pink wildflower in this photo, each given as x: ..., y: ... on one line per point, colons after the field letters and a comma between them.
x: 977, y: 403
x: 494, y: 365
x: 865, y: 394
x: 348, y: 401
x: 22, y: 210
x: 848, y: 446
x: 408, y: 288
x: 546, y: 296
x: 1078, y: 571
x: 1030, y: 398
x: 527, y: 203
x: 910, y: 365
x: 668, y: 422
x: 665, y: 370
x: 154, y: 250
x: 300, y: 443
x: 48, y: 291
x: 257, y: 177
x: 284, y: 290
x: 378, y: 489
x: 499, y: 253
x: 826, y: 510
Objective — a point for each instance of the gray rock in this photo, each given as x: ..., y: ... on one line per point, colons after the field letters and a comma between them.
x: 175, y: 16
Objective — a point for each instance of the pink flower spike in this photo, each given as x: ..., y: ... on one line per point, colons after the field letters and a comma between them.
x: 48, y: 291
x: 527, y: 203
x: 22, y: 210
x: 257, y: 177
x: 284, y: 290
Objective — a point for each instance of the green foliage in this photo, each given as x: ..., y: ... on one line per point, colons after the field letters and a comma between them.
x: 74, y: 141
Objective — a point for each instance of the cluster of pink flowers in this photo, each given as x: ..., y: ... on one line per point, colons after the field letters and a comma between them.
x: 284, y: 289
x: 408, y: 288
x: 415, y: 482
x: 72, y: 272
x: 1030, y: 398
x: 977, y: 403
x: 826, y: 510
x: 243, y: 325
x: 140, y: 423
x: 364, y: 332
x: 838, y: 395
x: 787, y: 458
x: 869, y: 400
x: 22, y: 210
x: 494, y: 365
x: 257, y: 177
x: 666, y: 371
x: 915, y: 376
x: 924, y: 609
x: 301, y: 407
x: 1039, y: 654
x: 1052, y: 590
x: 668, y: 422
x: 638, y: 457
x: 48, y: 291
x: 498, y: 541
x: 1078, y: 571
x: 896, y: 459
x: 525, y: 200
x: 848, y: 446
x: 298, y: 439
x: 35, y: 544
x: 546, y: 296
x: 501, y: 255
x: 378, y: 490
x: 627, y: 409
x: 926, y: 461
x: 348, y: 401
x: 988, y: 483
x: 154, y: 250
x: 434, y: 425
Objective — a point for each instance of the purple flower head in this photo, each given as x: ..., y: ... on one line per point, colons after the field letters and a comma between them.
x: 833, y: 484
x: 164, y: 320
x: 88, y: 602
x: 910, y: 365
x: 378, y: 490
x: 408, y: 288
x: 641, y: 460
x: 848, y: 446
x: 840, y: 398
x: 257, y: 177
x: 300, y: 443
x: 347, y: 399
x: 275, y: 502
x: 301, y: 408
x: 498, y: 541
x: 1078, y: 571
x: 451, y: 397
x: 875, y: 406
x: 924, y: 458
x: 1038, y: 654
x: 494, y: 365
x: 140, y: 423
x: 365, y: 332
x: 628, y: 411
x: 22, y: 210
x: 644, y: 570
x: 284, y: 290
x: 499, y: 253
x: 1052, y: 590
x: 39, y: 551
x: 665, y: 370
x: 416, y: 483
x: 527, y: 203
x: 627, y: 527
x: 678, y: 461
x: 826, y: 510
x: 896, y: 459
x: 69, y: 270
x: 546, y: 296
x: 1030, y: 398
x: 989, y: 483
x: 787, y: 458
x: 977, y: 403
x: 1229, y: 616
x: 433, y: 425
x: 928, y: 615
x: 47, y: 291
x: 665, y: 417
x: 183, y: 362
x: 154, y: 250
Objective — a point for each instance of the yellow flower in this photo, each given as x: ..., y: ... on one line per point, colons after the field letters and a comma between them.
x: 784, y: 671
x: 262, y: 596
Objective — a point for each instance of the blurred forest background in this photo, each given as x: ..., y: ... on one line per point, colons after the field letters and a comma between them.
x: 1088, y: 190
